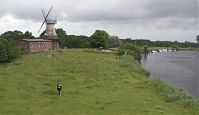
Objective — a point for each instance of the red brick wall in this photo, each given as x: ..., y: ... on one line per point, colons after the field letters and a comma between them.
x: 23, y: 44
x: 35, y: 46
x: 40, y: 46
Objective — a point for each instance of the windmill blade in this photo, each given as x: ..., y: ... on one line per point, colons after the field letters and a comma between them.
x: 45, y: 18
x: 41, y: 26
x: 43, y: 13
x: 48, y: 13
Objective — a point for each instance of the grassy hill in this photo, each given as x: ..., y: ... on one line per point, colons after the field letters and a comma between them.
x: 93, y: 83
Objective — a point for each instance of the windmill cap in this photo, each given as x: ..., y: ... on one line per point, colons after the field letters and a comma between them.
x: 51, y: 21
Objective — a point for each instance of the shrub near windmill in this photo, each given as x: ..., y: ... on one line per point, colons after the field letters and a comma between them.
x: 49, y: 41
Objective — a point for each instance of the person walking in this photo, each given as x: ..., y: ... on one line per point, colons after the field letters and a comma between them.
x: 59, y: 87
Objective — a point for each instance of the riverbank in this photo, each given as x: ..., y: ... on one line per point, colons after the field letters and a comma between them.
x: 172, y: 94
x: 93, y: 83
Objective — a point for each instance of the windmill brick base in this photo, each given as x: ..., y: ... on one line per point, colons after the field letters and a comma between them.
x: 55, y: 41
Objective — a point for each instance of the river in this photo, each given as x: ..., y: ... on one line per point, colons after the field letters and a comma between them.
x: 180, y: 69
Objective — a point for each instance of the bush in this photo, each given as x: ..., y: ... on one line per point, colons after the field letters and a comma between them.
x: 8, y: 51
x: 131, y: 49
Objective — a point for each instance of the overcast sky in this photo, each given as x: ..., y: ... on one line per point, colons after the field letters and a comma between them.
x: 148, y: 19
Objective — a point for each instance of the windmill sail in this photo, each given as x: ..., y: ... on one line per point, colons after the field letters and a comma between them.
x: 45, y: 17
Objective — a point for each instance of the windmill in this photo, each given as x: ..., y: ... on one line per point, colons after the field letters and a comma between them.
x: 50, y: 33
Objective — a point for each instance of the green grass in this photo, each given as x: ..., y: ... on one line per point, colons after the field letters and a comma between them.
x: 93, y: 83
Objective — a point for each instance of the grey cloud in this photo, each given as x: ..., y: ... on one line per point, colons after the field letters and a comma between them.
x: 23, y: 9
x: 158, y: 14
x: 131, y: 10
x: 181, y: 13
x: 103, y: 10
x: 110, y: 11
x: 173, y: 23
x: 172, y: 8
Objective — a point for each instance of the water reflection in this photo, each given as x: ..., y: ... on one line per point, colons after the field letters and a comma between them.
x: 144, y: 58
x: 180, y: 69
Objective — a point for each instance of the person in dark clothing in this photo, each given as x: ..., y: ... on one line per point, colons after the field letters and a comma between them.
x: 59, y: 88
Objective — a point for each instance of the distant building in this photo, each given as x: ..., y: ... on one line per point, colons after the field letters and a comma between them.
x: 38, y: 45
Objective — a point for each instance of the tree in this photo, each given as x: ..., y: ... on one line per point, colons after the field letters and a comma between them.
x: 63, y: 39
x: 114, y: 42
x: 131, y: 49
x: 12, y: 35
x: 197, y: 39
x: 28, y: 35
x: 79, y: 41
x: 8, y: 51
x: 100, y: 38
x: 17, y: 35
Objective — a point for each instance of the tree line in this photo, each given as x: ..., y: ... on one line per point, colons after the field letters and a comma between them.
x: 142, y: 42
x: 99, y: 39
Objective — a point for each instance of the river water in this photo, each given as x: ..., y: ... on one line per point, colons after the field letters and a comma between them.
x: 180, y: 69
